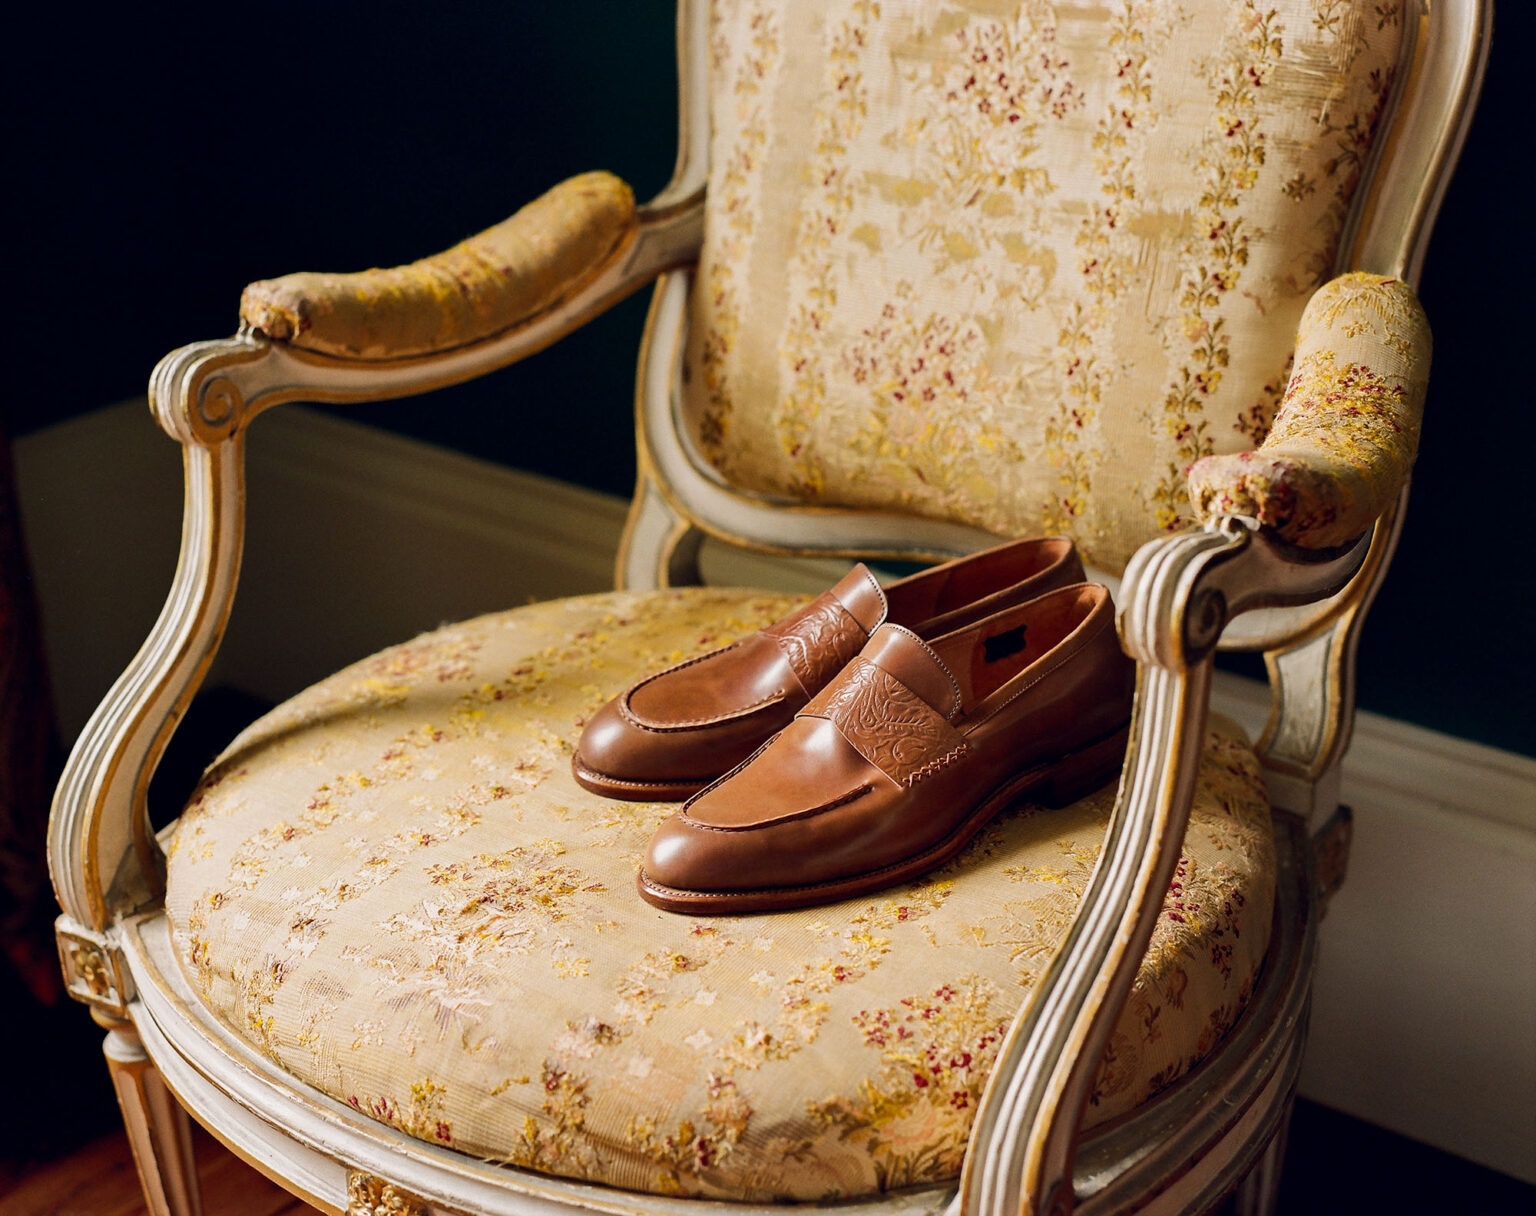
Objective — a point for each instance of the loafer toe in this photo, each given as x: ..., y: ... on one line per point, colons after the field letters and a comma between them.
x: 678, y: 858
x: 626, y: 754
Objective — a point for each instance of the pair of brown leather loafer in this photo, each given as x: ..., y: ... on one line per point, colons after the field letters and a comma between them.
x: 865, y: 738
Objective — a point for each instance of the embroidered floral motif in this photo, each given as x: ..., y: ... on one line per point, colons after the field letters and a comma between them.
x: 838, y: 115
x: 553, y: 1140
x: 1227, y: 167
x: 419, y: 1117
x: 931, y: 395
x: 474, y: 968
x: 1085, y: 348
x: 731, y: 185
x: 1254, y: 424
x: 691, y: 1149
x: 935, y: 1052
x: 1019, y: 266
x: 1346, y: 124
x: 1004, y: 81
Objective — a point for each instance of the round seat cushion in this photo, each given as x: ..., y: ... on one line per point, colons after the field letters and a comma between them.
x: 392, y: 886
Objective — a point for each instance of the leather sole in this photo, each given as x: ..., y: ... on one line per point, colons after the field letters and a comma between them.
x: 1053, y: 785
x: 634, y: 791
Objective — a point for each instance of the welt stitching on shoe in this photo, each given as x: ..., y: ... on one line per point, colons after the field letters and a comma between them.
x: 646, y: 785
x: 688, y: 724
x: 853, y: 794
x: 934, y: 766
x: 879, y: 592
x: 964, y: 831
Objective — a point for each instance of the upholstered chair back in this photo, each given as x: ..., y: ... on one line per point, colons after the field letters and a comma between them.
x: 1018, y: 264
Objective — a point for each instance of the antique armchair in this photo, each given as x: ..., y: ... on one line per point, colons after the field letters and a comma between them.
x: 926, y: 274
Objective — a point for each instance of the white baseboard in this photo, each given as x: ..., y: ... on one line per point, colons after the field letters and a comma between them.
x: 1424, y: 1018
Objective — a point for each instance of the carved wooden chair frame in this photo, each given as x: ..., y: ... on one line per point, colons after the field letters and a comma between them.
x: 1229, y: 584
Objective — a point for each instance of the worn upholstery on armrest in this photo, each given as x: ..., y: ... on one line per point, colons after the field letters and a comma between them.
x: 486, y: 284
x: 1347, y: 431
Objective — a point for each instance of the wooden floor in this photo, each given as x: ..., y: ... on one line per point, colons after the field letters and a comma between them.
x: 99, y: 1180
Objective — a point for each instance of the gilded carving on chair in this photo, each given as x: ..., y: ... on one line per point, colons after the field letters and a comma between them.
x: 371, y: 1196
x: 959, y: 313
x: 93, y: 972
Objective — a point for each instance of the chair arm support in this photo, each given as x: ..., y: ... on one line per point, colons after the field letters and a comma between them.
x: 1176, y: 597
x: 103, y: 855
x: 1345, y: 435
x: 102, y: 852
x: 480, y: 287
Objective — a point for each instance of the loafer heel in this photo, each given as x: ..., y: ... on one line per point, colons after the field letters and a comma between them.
x: 1083, y: 772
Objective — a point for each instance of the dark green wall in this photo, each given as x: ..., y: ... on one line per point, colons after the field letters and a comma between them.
x: 171, y: 158
x: 165, y: 155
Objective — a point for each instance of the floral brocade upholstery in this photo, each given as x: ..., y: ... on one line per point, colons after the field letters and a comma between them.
x: 1348, y: 428
x: 392, y: 886
x: 1018, y: 264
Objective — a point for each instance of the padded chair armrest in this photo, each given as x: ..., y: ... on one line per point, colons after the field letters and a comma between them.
x: 335, y: 338
x: 483, y: 286
x: 1346, y: 434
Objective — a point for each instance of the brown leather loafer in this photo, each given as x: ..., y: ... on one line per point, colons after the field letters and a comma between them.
x: 673, y: 733
x: 903, y: 757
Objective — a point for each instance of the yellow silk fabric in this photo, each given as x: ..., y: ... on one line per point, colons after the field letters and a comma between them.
x: 1014, y: 263
x: 393, y: 888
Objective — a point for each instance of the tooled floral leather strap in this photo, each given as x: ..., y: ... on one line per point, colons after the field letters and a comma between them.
x: 887, y: 723
x: 818, y: 640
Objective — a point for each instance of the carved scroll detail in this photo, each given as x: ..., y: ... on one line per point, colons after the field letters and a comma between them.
x: 93, y: 971
x: 368, y: 1195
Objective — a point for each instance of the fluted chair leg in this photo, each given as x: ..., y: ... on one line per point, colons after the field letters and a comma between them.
x: 1259, y: 1193
x: 159, y: 1130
